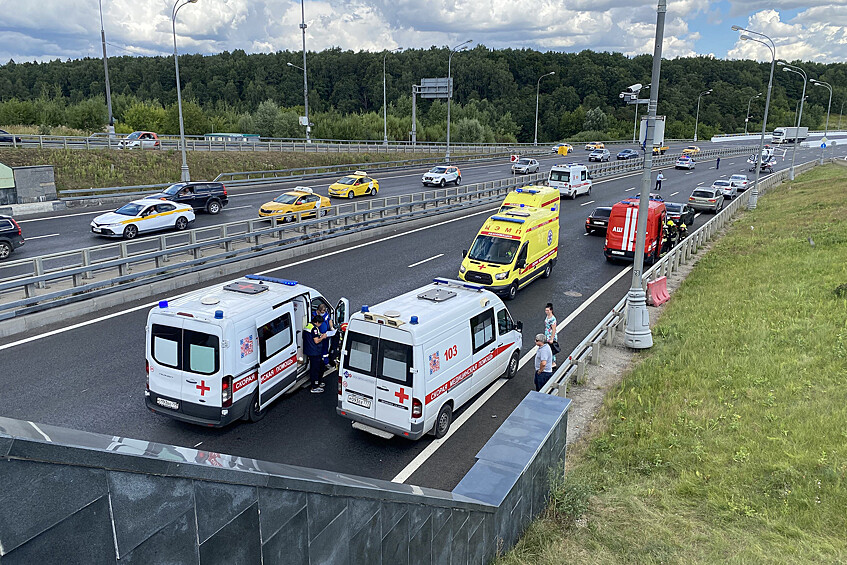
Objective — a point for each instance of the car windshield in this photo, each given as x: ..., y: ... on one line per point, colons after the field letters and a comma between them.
x: 703, y: 194
x: 174, y: 188
x: 673, y: 208
x: 524, y: 162
x: 348, y: 180
x: 737, y: 177
x: 438, y: 170
x: 721, y: 183
x: 601, y: 212
x: 490, y: 249
x: 691, y: 147
x: 286, y: 198
x: 134, y: 135
x: 560, y: 176
x: 131, y: 209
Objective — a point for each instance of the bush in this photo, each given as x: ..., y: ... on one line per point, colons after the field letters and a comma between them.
x: 569, y: 496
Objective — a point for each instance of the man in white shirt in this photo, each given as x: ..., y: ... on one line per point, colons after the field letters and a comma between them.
x: 543, y: 362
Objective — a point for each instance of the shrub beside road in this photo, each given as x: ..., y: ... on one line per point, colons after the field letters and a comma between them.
x: 728, y: 440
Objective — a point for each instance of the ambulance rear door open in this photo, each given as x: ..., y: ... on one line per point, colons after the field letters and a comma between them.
x: 277, y: 352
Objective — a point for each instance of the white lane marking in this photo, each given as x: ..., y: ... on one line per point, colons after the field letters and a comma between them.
x: 30, y: 238
x: 587, y: 203
x: 674, y: 193
x: 425, y: 260
x: 630, y: 188
x: 416, y: 463
x: 62, y: 216
x: 690, y: 173
x: 238, y: 207
x: 302, y: 261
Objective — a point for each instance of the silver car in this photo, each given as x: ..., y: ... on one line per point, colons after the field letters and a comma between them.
x: 708, y: 199
x: 525, y: 166
x: 740, y: 182
x: 727, y: 188
x: 600, y: 155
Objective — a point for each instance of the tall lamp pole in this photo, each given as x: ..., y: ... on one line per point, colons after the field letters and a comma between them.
x: 638, y: 335
x: 185, y: 176
x: 828, y: 108
x: 796, y: 70
x: 697, y: 119
x: 305, y: 79
x: 460, y: 47
x: 841, y: 113
x: 537, y: 93
x: 747, y: 119
x: 385, y: 98
x: 754, y: 196
x: 111, y: 127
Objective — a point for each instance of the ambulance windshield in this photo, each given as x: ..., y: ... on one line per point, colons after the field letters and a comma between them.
x: 497, y: 250
x: 560, y: 176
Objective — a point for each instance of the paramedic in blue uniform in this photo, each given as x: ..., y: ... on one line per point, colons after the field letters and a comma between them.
x: 325, y: 326
x: 313, y: 339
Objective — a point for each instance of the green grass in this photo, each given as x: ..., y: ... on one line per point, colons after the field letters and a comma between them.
x: 728, y: 441
x: 80, y: 169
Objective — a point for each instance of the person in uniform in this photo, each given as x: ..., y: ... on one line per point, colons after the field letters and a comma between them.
x: 313, y: 340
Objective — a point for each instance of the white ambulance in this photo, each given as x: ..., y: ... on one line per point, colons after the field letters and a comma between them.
x: 227, y: 352
x: 408, y: 363
x: 571, y: 179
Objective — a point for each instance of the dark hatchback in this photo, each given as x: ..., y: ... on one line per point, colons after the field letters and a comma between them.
x: 10, y: 236
x: 598, y: 220
x: 680, y: 212
x: 210, y: 197
x: 6, y: 137
x: 628, y: 154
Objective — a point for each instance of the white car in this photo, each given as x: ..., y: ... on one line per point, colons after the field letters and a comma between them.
x: 728, y: 189
x: 600, y: 155
x: 525, y: 166
x: 440, y: 175
x: 143, y: 215
x: 740, y: 182
x: 140, y: 140
x: 684, y: 162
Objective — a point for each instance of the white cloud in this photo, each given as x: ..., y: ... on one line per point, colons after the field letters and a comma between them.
x: 816, y: 34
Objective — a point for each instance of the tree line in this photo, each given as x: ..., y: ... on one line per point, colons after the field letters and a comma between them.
x: 494, y: 94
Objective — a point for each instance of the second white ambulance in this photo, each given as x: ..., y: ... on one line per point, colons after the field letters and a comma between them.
x: 408, y: 363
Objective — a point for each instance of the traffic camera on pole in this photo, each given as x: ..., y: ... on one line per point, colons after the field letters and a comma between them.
x: 630, y: 95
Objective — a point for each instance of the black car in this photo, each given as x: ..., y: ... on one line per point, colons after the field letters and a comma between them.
x: 628, y: 154
x: 680, y: 212
x: 208, y: 196
x: 6, y: 137
x: 10, y: 236
x: 598, y: 219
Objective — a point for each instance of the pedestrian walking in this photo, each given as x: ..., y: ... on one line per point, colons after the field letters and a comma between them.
x: 550, y: 331
x: 312, y: 346
x: 659, y: 178
x: 543, y: 362
x: 718, y: 163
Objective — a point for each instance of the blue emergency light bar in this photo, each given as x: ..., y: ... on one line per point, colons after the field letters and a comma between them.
x: 505, y: 219
x: 286, y: 282
x: 459, y: 283
x: 527, y: 190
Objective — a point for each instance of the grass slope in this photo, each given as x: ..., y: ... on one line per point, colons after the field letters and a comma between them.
x: 728, y: 442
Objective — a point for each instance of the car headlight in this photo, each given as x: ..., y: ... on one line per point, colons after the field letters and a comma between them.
x: 462, y: 269
x: 501, y: 276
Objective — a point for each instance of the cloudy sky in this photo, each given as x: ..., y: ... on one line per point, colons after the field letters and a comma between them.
x: 49, y: 29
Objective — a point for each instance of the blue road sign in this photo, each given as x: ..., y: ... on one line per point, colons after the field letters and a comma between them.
x: 823, y: 145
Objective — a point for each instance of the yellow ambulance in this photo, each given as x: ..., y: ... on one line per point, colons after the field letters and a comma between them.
x: 532, y: 197
x: 512, y: 249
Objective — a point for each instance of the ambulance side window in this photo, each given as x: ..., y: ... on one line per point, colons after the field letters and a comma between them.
x: 584, y: 174
x: 274, y: 337
x: 482, y: 330
x: 521, y: 262
x: 504, y: 322
x: 361, y: 353
x: 395, y: 360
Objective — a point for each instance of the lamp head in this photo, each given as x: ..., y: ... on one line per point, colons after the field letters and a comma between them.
x: 192, y: 1
x: 289, y: 64
x: 736, y: 28
x: 552, y: 73
x: 745, y: 37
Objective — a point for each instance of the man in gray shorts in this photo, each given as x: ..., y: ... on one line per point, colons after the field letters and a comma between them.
x: 543, y: 362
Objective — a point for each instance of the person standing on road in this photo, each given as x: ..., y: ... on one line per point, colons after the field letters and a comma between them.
x: 659, y: 178
x: 543, y: 362
x: 718, y: 163
x: 550, y: 332
x: 325, y: 327
x: 312, y: 347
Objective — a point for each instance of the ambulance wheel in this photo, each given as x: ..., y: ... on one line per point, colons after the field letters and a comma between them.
x: 548, y: 269
x: 254, y: 413
x: 130, y: 232
x: 513, y: 291
x: 442, y: 423
x: 514, y: 363
x: 589, y: 192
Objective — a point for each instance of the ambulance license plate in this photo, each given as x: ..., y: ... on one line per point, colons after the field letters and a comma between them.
x: 164, y: 402
x: 359, y: 400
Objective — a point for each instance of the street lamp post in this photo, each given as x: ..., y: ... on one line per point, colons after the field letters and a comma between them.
x: 828, y: 108
x: 754, y: 196
x: 111, y: 126
x: 638, y: 335
x: 841, y: 113
x: 385, y: 99
x: 185, y: 176
x: 697, y: 119
x: 305, y: 79
x: 537, y: 92
x: 798, y: 71
x: 747, y: 119
x: 460, y: 47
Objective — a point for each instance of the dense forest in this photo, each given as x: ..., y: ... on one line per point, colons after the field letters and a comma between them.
x: 494, y: 96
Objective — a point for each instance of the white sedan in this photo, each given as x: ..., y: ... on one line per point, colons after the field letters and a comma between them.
x: 684, y: 162
x: 740, y: 182
x: 143, y: 215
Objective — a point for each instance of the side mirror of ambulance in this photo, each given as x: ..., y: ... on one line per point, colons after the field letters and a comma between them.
x: 521, y: 264
x: 464, y: 253
x: 519, y: 326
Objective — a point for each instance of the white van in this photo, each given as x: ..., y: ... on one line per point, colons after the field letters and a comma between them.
x: 570, y: 179
x: 227, y: 352
x: 408, y: 363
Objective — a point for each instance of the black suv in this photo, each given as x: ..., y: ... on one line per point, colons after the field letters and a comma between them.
x: 10, y: 236
x: 598, y: 220
x: 208, y: 196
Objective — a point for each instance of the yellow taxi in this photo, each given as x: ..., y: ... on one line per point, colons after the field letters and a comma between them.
x: 660, y: 149
x: 355, y: 184
x: 691, y: 150
x: 302, y: 199
x: 595, y: 145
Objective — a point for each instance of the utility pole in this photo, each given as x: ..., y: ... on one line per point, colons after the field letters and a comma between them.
x: 111, y: 126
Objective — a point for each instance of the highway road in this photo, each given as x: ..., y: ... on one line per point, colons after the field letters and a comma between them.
x: 88, y: 373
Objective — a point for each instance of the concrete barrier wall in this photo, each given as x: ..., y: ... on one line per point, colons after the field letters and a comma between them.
x: 34, y: 184
x: 79, y: 497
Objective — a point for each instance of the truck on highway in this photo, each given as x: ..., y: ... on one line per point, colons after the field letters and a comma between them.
x: 570, y: 179
x: 790, y: 135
